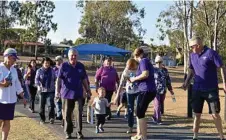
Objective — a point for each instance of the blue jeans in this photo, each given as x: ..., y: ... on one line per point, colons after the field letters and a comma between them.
x: 26, y: 94
x: 47, y: 97
x: 130, y: 108
x: 59, y: 108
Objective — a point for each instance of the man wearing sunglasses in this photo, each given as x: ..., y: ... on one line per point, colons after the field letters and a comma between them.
x: 203, y: 66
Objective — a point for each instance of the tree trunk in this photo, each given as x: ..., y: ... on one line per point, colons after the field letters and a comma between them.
x: 186, y: 38
x: 191, y: 18
x: 215, y: 25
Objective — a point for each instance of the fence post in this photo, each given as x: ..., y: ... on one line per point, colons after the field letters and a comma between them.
x: 189, y: 107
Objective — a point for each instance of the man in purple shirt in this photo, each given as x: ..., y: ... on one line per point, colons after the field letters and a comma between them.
x: 69, y: 85
x: 59, y: 61
x: 107, y: 77
x: 203, y: 65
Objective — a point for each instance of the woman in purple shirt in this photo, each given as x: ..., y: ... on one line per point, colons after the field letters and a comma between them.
x: 147, y: 91
x: 107, y: 77
x: 45, y: 81
x: 29, y: 77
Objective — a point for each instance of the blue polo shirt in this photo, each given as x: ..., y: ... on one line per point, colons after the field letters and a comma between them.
x: 147, y: 84
x: 72, y: 80
x: 205, y: 68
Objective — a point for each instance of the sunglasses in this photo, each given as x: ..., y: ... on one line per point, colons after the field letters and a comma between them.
x: 193, y: 46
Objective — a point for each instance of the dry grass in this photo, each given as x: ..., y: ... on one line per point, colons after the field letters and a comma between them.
x: 24, y: 128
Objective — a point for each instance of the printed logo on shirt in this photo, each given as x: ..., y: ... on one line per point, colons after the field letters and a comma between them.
x: 204, y: 57
x: 79, y: 70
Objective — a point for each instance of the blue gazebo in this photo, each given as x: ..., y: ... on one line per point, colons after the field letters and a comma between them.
x: 100, y: 49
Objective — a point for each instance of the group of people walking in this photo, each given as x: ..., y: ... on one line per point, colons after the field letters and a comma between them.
x: 66, y: 86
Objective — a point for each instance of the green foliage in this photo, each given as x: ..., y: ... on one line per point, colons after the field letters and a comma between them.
x: 67, y: 42
x: 176, y: 38
x: 8, y: 17
x: 110, y: 22
x: 37, y: 16
x: 204, y: 17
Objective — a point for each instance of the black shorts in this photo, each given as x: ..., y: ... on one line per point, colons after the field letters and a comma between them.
x: 143, y: 100
x: 210, y: 96
x: 122, y: 98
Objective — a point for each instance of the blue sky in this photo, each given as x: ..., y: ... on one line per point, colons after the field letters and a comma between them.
x: 68, y: 16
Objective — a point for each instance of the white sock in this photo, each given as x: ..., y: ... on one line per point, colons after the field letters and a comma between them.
x: 195, y: 136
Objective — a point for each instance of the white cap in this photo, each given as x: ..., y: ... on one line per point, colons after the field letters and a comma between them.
x: 57, y: 58
x: 10, y: 52
x: 158, y: 59
x: 194, y: 41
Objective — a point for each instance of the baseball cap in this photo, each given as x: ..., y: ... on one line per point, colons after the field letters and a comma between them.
x: 158, y: 59
x: 58, y: 58
x: 194, y: 41
x: 10, y: 52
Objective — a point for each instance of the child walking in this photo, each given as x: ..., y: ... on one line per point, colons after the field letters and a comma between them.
x: 99, y: 104
x: 131, y: 90
x: 122, y: 102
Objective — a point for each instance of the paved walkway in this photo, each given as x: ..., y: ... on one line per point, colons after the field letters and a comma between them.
x: 116, y: 128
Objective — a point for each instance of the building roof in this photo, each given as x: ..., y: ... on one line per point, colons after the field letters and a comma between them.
x: 14, y: 42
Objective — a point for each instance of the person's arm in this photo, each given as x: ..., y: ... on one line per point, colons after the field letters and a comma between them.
x: 94, y: 103
x: 37, y: 78
x: 168, y: 82
x: 219, y: 64
x: 122, y: 81
x: 27, y: 73
x: 87, y: 88
x: 58, y: 85
x: 98, y: 77
x: 117, y: 79
x: 19, y: 89
x: 107, y: 103
x: 188, y: 79
x: 144, y: 75
x: 58, y: 82
x: 145, y: 72
x: 86, y: 84
x: 223, y: 75
x: 4, y: 83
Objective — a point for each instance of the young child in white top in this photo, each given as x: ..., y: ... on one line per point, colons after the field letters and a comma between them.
x: 99, y: 104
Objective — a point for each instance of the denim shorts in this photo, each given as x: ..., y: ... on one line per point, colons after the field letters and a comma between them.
x: 210, y: 96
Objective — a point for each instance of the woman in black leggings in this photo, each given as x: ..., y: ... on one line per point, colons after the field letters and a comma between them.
x: 146, y: 91
x: 29, y: 81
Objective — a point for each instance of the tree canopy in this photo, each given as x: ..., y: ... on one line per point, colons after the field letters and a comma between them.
x: 112, y: 22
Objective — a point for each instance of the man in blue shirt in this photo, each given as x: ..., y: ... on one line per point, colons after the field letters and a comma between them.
x: 203, y: 66
x: 69, y: 86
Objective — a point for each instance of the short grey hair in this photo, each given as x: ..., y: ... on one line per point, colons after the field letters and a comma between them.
x: 71, y: 50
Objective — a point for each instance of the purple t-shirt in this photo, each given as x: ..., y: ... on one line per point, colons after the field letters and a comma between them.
x: 205, y: 68
x: 107, y: 77
x: 149, y: 83
x: 72, y: 80
x: 56, y: 70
